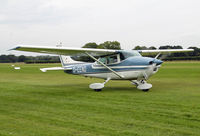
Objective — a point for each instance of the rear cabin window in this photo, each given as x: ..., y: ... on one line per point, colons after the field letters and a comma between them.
x: 103, y: 60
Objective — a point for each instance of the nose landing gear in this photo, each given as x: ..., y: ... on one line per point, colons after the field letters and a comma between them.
x: 142, y: 85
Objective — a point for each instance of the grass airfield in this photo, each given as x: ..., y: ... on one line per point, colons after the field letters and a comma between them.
x: 33, y: 103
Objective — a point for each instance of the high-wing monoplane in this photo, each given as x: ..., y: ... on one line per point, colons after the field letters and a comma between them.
x: 109, y: 64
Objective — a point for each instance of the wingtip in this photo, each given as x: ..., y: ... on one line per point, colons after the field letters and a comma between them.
x: 189, y: 50
x: 43, y: 69
x: 192, y: 49
x: 15, y: 48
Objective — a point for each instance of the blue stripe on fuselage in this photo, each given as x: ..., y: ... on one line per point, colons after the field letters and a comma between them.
x: 132, y: 63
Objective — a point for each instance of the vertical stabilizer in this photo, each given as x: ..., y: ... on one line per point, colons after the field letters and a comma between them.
x: 67, y: 60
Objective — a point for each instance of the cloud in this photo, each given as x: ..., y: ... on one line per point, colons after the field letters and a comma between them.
x: 37, y: 11
x: 75, y: 22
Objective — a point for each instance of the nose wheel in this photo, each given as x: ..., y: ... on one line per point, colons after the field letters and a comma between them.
x: 142, y: 85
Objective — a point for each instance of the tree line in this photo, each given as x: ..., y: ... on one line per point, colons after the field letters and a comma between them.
x: 29, y: 59
x: 195, y: 55
x: 106, y: 45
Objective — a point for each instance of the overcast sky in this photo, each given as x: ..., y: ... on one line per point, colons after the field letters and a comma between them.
x: 76, y: 22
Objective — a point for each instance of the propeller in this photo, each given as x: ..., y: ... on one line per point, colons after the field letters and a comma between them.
x: 150, y: 70
x: 163, y: 56
x: 153, y: 67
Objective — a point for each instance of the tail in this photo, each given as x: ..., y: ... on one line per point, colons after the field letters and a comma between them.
x: 67, y: 60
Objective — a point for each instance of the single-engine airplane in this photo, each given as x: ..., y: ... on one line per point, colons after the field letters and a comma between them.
x: 110, y: 64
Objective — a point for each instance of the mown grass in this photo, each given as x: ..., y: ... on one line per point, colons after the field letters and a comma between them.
x: 33, y: 103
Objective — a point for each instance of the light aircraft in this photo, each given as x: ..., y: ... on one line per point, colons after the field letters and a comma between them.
x: 109, y: 64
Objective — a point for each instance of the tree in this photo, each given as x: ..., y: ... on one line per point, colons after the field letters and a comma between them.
x: 196, y: 51
x: 181, y: 54
x: 90, y: 45
x: 4, y: 59
x: 21, y: 58
x: 166, y: 47
x: 171, y: 47
x: 12, y: 58
x: 140, y: 48
x: 110, y: 45
x: 152, y: 48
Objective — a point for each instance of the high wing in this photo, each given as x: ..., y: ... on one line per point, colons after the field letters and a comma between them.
x: 163, y: 51
x: 62, y: 50
x: 68, y: 51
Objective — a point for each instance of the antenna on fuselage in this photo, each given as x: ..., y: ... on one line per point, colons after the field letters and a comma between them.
x: 59, y: 45
x: 62, y: 60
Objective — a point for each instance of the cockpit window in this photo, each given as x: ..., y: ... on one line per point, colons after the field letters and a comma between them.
x: 110, y: 59
x: 120, y: 56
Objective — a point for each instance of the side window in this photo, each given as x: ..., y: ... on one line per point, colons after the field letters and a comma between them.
x: 112, y: 59
x: 103, y: 60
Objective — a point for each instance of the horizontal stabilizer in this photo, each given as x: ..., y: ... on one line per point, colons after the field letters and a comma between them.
x: 54, y: 68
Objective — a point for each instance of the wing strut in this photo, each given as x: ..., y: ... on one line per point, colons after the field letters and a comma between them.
x: 121, y: 76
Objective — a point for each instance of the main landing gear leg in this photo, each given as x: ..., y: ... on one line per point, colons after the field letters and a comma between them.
x: 98, y: 86
x: 142, y: 85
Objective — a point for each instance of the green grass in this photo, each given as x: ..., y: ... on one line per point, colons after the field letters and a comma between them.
x: 33, y: 103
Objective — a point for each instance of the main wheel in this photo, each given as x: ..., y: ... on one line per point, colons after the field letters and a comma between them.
x: 145, y: 90
x: 97, y: 90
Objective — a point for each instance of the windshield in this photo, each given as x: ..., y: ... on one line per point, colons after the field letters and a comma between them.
x: 128, y: 54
